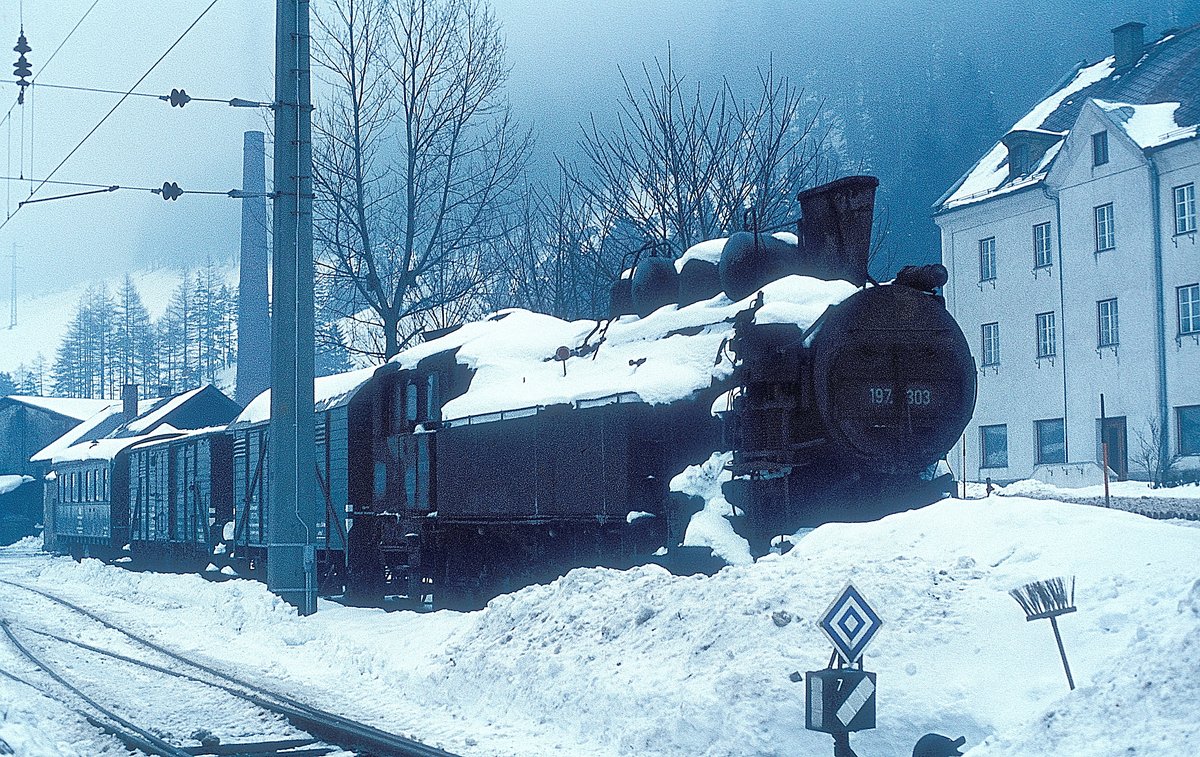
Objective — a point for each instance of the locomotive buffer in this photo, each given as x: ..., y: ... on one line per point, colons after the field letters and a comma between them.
x: 841, y: 698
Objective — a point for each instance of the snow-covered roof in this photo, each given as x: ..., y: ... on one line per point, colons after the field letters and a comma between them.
x: 146, y: 421
x: 12, y: 482
x: 106, y: 433
x: 1157, y: 102
x: 329, y: 392
x: 107, y: 449
x: 666, y: 356
x: 86, y: 430
x: 1149, y: 126
x: 68, y: 407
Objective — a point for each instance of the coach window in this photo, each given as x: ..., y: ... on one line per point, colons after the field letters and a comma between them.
x: 1051, y: 441
x: 410, y: 401
x: 1189, y: 429
x: 993, y: 441
x: 432, y: 410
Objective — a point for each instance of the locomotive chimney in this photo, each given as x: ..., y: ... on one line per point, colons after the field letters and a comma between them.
x: 129, y: 401
x: 1128, y: 45
x: 835, y: 230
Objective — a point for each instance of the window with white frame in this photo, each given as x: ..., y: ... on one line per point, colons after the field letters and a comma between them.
x: 1045, y: 335
x: 1185, y: 209
x: 1041, y: 245
x: 987, y: 259
x: 1189, y: 308
x: 1107, y: 334
x: 1106, y: 229
x: 990, y: 342
x: 993, y: 443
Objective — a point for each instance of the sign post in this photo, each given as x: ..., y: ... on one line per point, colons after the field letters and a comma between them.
x: 841, y: 698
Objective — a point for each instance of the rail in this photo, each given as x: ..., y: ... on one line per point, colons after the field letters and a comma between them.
x: 348, y: 734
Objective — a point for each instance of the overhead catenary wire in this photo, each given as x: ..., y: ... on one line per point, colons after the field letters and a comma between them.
x: 112, y: 110
x: 7, y: 116
x: 233, y: 193
x: 235, y: 102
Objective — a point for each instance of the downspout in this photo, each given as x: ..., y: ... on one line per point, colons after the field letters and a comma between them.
x: 1062, y: 307
x: 1160, y: 324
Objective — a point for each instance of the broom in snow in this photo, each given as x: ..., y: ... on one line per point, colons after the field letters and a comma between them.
x: 1048, y: 599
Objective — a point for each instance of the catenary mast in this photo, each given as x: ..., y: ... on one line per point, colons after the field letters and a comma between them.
x: 293, y: 512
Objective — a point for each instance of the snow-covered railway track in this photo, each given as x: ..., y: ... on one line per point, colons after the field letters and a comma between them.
x: 178, y: 718
x: 348, y: 735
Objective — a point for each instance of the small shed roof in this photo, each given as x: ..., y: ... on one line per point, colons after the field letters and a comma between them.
x: 74, y: 408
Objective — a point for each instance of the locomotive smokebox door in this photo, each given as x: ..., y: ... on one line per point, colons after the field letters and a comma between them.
x: 839, y: 700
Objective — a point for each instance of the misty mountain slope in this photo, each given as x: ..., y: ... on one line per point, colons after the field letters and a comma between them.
x: 43, y: 318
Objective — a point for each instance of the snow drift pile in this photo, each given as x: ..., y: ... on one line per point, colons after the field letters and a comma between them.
x: 642, y: 662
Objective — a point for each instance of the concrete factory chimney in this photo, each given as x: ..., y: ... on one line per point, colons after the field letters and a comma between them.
x: 254, y: 325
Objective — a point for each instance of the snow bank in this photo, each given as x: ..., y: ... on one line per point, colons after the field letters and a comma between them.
x: 1138, y: 489
x: 604, y: 662
x: 710, y: 527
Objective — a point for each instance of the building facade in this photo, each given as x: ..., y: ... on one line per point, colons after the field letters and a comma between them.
x: 1075, y: 270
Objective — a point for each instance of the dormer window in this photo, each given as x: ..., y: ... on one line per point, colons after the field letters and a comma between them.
x: 1100, y: 148
x: 1026, y: 148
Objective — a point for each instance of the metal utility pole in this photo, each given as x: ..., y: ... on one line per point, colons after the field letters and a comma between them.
x: 12, y: 291
x: 293, y: 513
x: 254, y: 326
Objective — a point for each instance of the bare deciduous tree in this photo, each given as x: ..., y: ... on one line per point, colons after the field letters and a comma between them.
x: 557, y: 259
x: 416, y: 159
x: 1151, y: 454
x: 682, y: 166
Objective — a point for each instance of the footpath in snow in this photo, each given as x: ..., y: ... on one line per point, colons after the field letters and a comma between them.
x: 641, y: 662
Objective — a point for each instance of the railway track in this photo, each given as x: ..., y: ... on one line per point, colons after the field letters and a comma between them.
x: 310, y: 725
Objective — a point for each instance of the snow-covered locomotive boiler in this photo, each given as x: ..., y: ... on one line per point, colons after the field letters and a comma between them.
x: 844, y: 418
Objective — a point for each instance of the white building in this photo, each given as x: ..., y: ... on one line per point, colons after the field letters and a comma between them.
x: 1075, y: 270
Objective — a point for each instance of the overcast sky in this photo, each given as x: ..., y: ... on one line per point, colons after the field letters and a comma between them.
x: 563, y: 56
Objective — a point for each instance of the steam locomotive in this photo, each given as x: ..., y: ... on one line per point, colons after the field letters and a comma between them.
x: 506, y: 451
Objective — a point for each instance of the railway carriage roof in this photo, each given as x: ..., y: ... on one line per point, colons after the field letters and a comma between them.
x: 329, y: 392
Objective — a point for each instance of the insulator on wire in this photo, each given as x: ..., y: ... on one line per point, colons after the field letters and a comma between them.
x: 178, y: 98
x: 169, y: 191
x: 21, y: 68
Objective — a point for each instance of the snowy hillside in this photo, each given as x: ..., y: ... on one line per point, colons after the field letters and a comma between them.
x: 604, y: 662
x: 43, y: 318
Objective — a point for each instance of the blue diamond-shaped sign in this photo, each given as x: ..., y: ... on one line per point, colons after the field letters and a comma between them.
x: 850, y: 623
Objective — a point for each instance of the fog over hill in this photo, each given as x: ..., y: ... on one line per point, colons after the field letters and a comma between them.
x: 914, y: 91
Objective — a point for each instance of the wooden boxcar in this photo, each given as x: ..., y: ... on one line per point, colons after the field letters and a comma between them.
x: 180, y: 497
